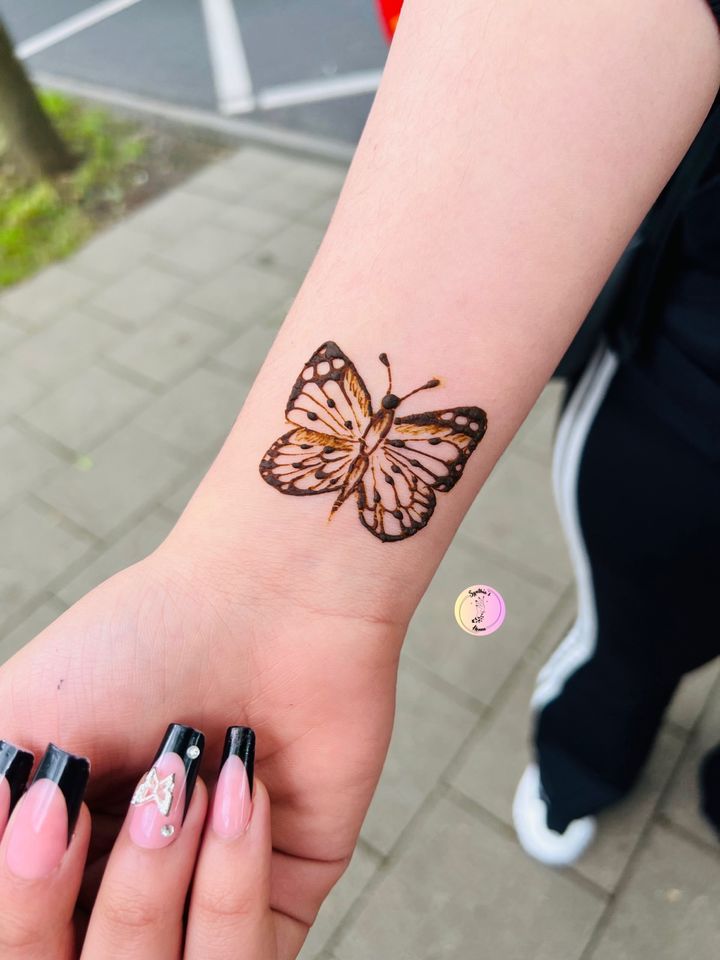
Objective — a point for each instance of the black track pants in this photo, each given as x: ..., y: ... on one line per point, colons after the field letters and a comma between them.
x: 640, y: 505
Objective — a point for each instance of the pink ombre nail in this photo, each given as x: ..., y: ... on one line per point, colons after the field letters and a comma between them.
x: 38, y: 832
x: 42, y: 823
x: 161, y: 799
x: 233, y: 803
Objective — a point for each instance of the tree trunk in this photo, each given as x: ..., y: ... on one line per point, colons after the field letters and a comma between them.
x: 29, y: 131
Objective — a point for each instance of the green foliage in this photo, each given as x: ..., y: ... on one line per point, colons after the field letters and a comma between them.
x: 46, y: 220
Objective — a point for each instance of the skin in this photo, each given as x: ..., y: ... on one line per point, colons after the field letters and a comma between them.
x: 512, y: 151
x: 140, y: 910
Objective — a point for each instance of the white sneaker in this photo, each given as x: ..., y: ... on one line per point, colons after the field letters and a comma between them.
x: 536, y: 838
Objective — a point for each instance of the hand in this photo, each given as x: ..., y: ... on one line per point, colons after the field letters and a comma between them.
x: 156, y: 641
x: 140, y: 908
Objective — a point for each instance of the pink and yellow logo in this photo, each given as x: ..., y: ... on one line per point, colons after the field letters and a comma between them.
x: 480, y: 610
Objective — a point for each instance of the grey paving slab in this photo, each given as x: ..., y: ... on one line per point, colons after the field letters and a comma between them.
x: 498, y: 753
x: 285, y: 195
x: 692, y: 695
x: 86, y: 408
x: 429, y: 728
x: 290, y: 251
x: 65, y: 346
x: 515, y: 515
x: 229, y: 179
x: 476, y: 665
x: 167, y: 348
x: 113, y: 252
x: 175, y: 214
x: 10, y: 334
x: 535, y: 436
x: 464, y: 890
x: 36, y: 547
x: 682, y: 802
x: 180, y: 496
x: 206, y: 251
x: 265, y: 163
x: 197, y: 413
x: 242, y: 295
x: 669, y: 906
x: 319, y: 213
x: 140, y: 295
x: 362, y: 867
x: 42, y: 615
x: 249, y: 222
x: 620, y: 830
x: 17, y: 389
x: 247, y: 352
x: 143, y: 537
x: 46, y: 295
x: 23, y: 462
x: 121, y: 476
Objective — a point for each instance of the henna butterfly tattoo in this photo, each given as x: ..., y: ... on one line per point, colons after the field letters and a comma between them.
x: 393, y: 465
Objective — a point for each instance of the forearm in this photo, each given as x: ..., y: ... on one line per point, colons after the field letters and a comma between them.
x: 512, y: 151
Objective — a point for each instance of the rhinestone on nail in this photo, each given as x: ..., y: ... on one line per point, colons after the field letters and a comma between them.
x: 168, y: 830
x: 192, y: 752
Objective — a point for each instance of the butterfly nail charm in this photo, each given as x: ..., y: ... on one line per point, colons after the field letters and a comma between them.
x: 151, y: 787
x: 394, y: 466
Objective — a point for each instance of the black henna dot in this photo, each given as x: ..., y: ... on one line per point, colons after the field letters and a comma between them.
x: 348, y: 424
x: 415, y: 463
x: 398, y: 514
x: 435, y: 441
x: 390, y: 481
x: 331, y: 403
x: 320, y: 475
x: 312, y: 416
x: 395, y: 468
x: 328, y: 449
x: 304, y: 446
x: 376, y: 497
x: 297, y: 466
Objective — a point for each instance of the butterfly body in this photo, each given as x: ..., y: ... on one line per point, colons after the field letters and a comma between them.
x: 392, y: 464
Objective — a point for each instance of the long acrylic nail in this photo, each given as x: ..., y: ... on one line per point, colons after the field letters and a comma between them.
x: 162, y: 797
x: 232, y: 805
x: 42, y: 826
x: 15, y: 767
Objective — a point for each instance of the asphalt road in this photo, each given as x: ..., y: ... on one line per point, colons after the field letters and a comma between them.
x: 301, y: 65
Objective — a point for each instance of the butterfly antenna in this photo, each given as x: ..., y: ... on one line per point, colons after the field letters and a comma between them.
x: 426, y: 386
x: 383, y: 358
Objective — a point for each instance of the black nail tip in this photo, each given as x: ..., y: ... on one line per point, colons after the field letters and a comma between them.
x: 189, y: 744
x: 71, y: 773
x: 15, y: 766
x: 240, y: 742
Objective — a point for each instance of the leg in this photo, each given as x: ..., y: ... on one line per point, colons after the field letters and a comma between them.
x: 640, y: 515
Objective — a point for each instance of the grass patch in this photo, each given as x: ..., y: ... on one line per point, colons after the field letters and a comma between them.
x: 45, y: 221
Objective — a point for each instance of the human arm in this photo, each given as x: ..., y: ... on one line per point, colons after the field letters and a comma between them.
x: 511, y: 153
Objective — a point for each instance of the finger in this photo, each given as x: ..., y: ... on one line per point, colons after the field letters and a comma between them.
x: 138, y: 912
x: 42, y: 855
x: 230, y: 913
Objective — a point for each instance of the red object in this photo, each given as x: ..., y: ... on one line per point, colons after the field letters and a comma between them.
x: 389, y: 11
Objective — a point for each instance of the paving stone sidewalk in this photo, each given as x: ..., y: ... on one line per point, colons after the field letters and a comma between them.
x: 120, y: 372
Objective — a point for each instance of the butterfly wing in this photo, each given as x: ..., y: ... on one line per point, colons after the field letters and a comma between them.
x: 438, y: 445
x: 394, y: 502
x: 329, y: 396
x: 303, y: 462
x: 422, y: 453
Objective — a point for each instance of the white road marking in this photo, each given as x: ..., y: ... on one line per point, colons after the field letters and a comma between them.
x: 313, y: 91
x: 233, y: 83
x: 67, y: 28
